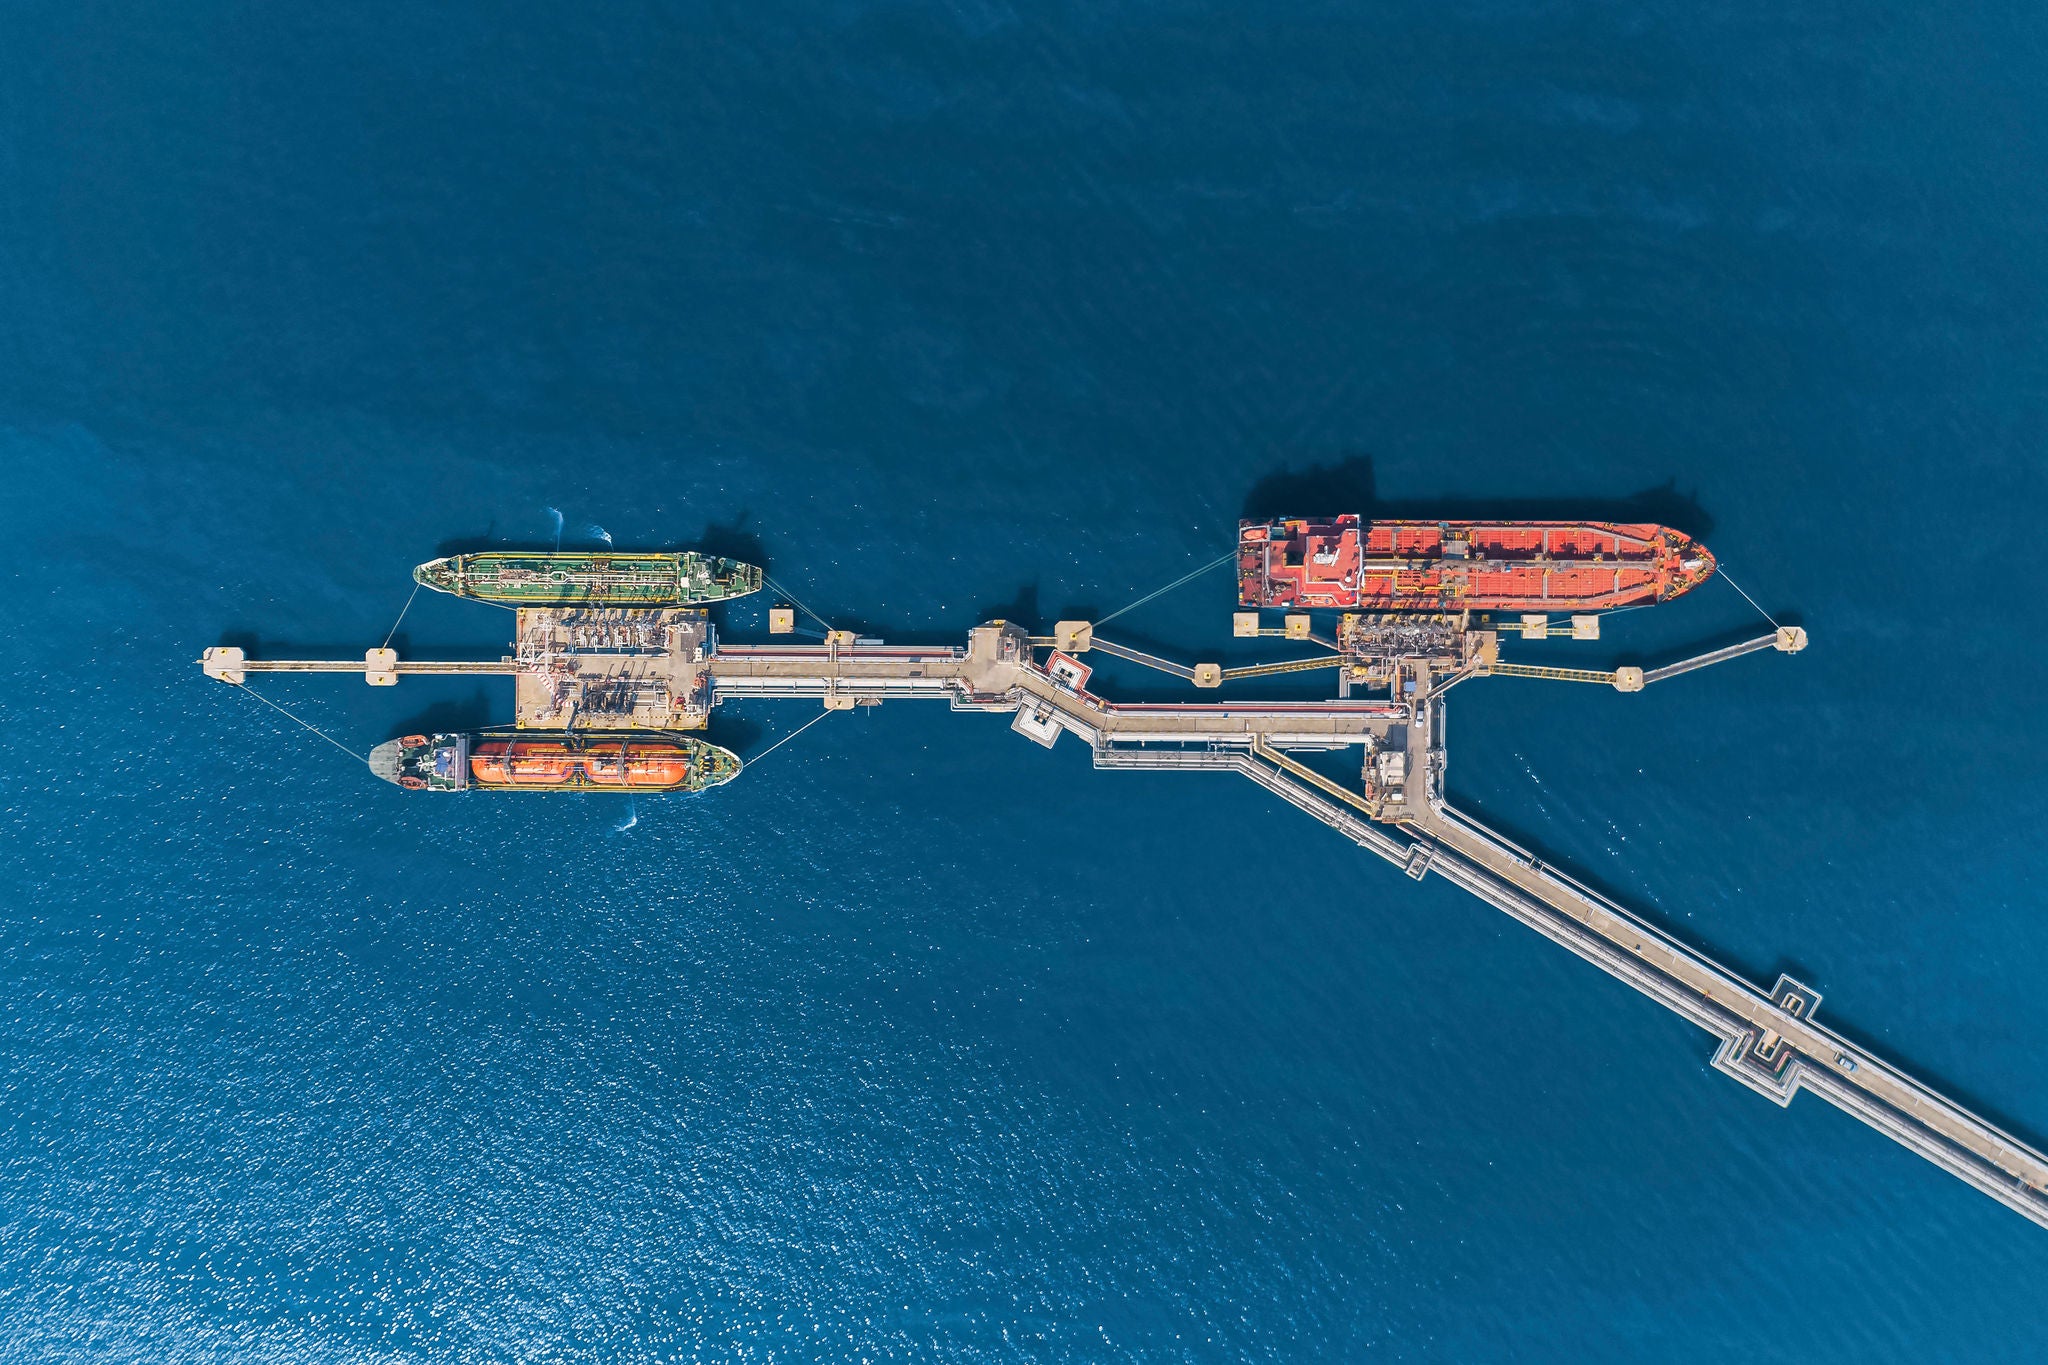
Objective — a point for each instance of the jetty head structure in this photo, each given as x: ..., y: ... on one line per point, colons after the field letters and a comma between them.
x: 602, y: 690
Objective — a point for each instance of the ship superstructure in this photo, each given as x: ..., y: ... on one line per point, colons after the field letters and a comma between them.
x: 1455, y: 566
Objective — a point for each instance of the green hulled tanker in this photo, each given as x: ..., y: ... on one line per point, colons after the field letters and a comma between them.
x: 540, y: 578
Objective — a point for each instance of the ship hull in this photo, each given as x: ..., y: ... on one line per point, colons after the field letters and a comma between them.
x: 518, y: 578
x: 542, y: 762
x: 1452, y: 566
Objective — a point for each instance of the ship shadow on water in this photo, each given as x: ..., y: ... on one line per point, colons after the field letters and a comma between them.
x: 733, y: 540
x: 1348, y: 485
x: 744, y: 737
x: 1022, y: 607
x: 454, y: 715
x: 469, y: 545
x: 729, y: 539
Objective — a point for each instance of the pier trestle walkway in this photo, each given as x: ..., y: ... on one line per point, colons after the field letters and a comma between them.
x: 1767, y: 1040
x: 998, y: 671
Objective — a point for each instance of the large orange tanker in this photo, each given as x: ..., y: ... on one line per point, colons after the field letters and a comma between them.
x: 1450, y: 566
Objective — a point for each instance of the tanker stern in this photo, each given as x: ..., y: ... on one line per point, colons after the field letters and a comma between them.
x: 423, y: 762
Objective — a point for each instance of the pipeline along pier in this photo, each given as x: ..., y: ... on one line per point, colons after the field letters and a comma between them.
x: 654, y: 670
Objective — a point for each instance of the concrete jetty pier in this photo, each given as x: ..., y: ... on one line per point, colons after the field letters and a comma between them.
x: 625, y: 670
x: 1768, y: 1040
x: 998, y: 671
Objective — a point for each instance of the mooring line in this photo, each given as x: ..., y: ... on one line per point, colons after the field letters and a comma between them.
x: 401, y: 615
x: 244, y: 687
x: 1184, y: 578
x: 787, y: 738
x: 781, y: 591
x: 1751, y: 600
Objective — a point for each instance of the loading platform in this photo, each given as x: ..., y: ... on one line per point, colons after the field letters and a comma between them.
x: 648, y: 670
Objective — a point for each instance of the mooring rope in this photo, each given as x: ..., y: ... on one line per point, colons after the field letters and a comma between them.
x: 781, y: 591
x: 787, y: 738
x: 1184, y: 578
x: 401, y: 616
x: 1751, y: 600
x: 244, y: 687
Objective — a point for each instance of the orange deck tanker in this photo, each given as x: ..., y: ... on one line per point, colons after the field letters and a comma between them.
x: 1449, y: 566
x: 558, y: 762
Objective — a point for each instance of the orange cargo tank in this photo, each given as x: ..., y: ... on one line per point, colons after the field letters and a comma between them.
x: 1449, y: 566
x: 553, y: 764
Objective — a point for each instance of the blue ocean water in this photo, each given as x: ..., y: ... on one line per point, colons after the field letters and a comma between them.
x: 919, y: 1042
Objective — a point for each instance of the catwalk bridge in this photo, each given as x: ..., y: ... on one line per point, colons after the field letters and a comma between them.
x: 668, y: 673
